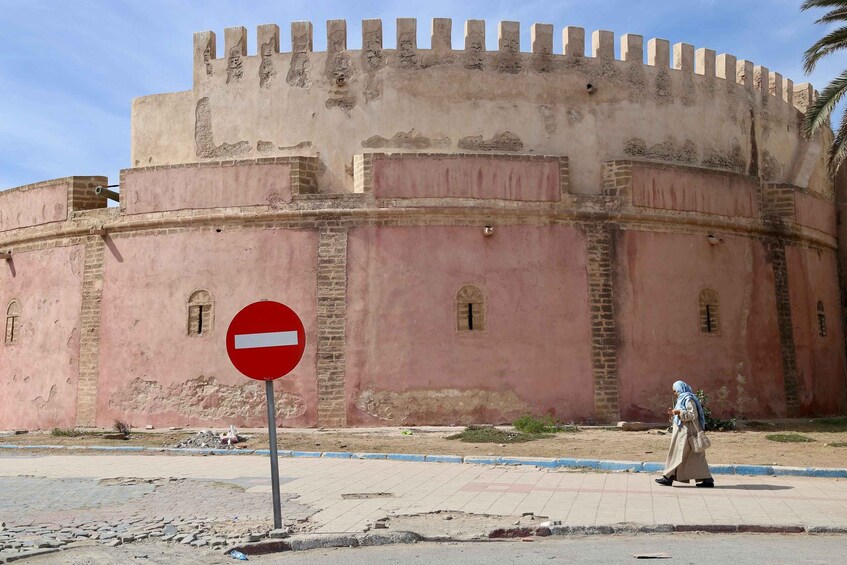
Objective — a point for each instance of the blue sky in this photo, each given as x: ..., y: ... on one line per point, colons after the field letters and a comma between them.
x: 69, y: 69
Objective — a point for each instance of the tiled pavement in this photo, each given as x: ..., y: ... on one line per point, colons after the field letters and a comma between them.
x: 575, y: 498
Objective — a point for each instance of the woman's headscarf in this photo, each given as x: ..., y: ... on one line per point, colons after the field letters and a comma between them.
x: 685, y: 393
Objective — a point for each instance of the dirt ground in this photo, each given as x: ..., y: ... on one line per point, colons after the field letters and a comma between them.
x: 746, y: 446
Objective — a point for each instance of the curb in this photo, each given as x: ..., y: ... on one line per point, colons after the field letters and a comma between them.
x: 542, y: 462
x: 318, y: 541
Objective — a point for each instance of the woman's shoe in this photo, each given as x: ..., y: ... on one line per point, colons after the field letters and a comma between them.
x: 665, y: 482
x: 708, y: 483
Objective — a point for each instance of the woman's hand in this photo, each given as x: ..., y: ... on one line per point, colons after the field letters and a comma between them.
x: 676, y: 412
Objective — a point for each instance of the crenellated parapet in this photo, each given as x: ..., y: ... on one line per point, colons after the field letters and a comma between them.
x: 590, y: 96
x: 543, y: 57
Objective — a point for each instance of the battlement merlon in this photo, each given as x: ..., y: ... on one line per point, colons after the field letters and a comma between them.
x: 686, y: 59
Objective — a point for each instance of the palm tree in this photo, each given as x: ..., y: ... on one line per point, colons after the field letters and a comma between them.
x: 819, y: 111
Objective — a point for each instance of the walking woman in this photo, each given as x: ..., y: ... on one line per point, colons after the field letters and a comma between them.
x: 683, y: 463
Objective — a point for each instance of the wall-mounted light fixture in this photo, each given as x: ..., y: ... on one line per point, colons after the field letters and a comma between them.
x: 590, y: 88
x: 488, y: 231
x: 97, y: 230
x: 7, y: 255
x: 714, y: 240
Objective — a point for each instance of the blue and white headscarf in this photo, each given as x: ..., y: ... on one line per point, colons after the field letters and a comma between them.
x: 685, y: 393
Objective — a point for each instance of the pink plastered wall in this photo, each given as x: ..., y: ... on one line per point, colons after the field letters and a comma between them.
x: 33, y: 205
x: 406, y: 360
x: 444, y: 177
x: 183, y: 188
x: 38, y: 374
x: 658, y: 282
x: 821, y: 379
x: 693, y: 191
x: 814, y: 212
x: 152, y: 372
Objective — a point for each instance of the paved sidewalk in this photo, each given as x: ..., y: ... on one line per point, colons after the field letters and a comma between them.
x: 344, y: 495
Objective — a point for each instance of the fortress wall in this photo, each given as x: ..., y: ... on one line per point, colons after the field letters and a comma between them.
x: 482, y: 178
x: 408, y: 363
x: 821, y: 383
x: 174, y: 188
x: 38, y: 373
x: 691, y: 190
x: 574, y: 97
x: 152, y: 372
x: 659, y: 277
x: 34, y: 204
x: 814, y: 212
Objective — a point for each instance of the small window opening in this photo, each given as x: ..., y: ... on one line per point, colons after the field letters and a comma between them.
x: 200, y: 313
x: 709, y: 320
x: 470, y: 309
x: 821, y: 320
x: 13, y: 314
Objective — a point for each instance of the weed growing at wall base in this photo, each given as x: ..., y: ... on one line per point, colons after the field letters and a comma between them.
x: 542, y: 425
x: 713, y: 424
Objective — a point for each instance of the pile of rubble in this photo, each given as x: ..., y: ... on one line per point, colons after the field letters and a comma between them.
x: 208, y: 439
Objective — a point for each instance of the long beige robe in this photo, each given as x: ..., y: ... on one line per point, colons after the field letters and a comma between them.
x: 683, y: 463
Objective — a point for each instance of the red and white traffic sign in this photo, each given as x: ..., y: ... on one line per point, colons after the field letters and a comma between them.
x: 265, y: 340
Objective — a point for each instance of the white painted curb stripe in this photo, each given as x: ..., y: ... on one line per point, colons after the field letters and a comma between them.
x: 269, y: 339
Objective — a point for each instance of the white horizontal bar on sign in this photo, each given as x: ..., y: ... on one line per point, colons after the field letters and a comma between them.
x: 268, y: 339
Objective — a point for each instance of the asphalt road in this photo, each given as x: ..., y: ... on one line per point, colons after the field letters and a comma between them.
x: 700, y: 549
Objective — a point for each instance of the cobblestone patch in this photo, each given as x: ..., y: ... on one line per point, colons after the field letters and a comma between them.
x: 40, y: 513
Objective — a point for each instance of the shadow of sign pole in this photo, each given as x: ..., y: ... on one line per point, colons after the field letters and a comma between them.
x: 265, y: 341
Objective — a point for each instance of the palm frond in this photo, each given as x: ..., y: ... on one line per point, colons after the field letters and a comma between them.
x: 838, y: 150
x: 809, y: 4
x: 831, y: 42
x: 818, y: 113
x: 838, y: 15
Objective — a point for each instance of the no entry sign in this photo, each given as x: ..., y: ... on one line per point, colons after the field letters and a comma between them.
x: 265, y: 340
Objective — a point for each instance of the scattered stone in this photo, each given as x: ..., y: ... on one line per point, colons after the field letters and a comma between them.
x: 168, y: 537
x: 188, y: 539
x: 104, y: 536
x: 380, y: 526
x: 170, y: 530
x: 199, y: 543
x: 114, y: 543
x: 125, y: 538
x: 281, y: 533
x: 254, y: 537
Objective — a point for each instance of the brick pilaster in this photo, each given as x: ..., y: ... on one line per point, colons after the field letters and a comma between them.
x: 89, y: 345
x: 332, y: 320
x: 600, y: 239
x: 776, y: 256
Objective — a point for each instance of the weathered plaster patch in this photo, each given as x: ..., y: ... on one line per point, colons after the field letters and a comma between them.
x: 405, y: 140
x: 445, y: 406
x: 345, y: 103
x: 205, y: 398
x: 204, y: 139
x: 235, y: 64
x: 266, y: 68
x: 732, y: 160
x: 207, y: 57
x: 298, y: 71
x: 301, y: 145
x: 663, y: 87
x: 549, y: 117
x: 771, y: 168
x: 504, y: 141
x: 668, y: 150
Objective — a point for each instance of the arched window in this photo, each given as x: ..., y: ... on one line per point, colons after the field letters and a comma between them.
x: 709, y: 314
x: 470, y: 309
x: 821, y: 320
x: 201, y: 308
x: 13, y: 322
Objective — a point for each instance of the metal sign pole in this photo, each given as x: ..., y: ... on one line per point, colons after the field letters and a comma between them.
x: 269, y: 392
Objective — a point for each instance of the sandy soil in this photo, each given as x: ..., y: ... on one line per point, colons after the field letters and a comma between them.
x: 747, y: 446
